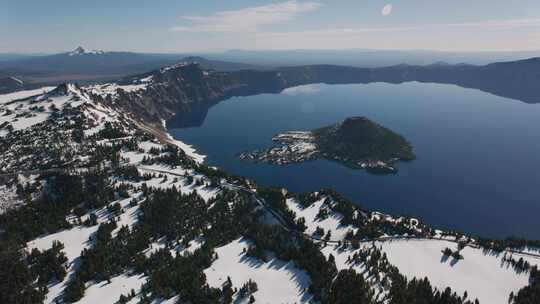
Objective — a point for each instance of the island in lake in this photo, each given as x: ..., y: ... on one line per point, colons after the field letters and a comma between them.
x: 356, y: 142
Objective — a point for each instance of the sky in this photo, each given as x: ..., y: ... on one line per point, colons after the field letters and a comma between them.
x: 32, y: 26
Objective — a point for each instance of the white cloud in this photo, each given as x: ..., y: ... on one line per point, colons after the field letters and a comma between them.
x: 255, y: 28
x: 247, y: 19
x: 386, y: 10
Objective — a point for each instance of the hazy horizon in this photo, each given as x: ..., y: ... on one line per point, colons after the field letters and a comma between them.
x: 224, y: 51
x: 212, y: 26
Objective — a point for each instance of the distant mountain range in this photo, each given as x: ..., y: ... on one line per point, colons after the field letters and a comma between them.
x: 85, y: 66
x: 365, y: 57
x: 15, y: 56
x: 513, y: 79
x: 96, y: 65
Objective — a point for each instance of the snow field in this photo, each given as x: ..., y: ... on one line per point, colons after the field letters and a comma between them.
x: 5, y: 98
x: 104, y: 292
x: 482, y: 276
x: 278, y: 281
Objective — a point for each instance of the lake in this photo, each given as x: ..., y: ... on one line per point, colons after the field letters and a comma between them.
x: 478, y: 155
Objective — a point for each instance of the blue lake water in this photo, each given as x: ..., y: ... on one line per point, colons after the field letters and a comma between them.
x: 478, y: 155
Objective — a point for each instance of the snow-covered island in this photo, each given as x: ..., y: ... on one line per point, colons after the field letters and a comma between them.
x: 356, y: 142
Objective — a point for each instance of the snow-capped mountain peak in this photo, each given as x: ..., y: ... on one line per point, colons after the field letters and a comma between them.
x: 78, y: 51
x: 81, y: 51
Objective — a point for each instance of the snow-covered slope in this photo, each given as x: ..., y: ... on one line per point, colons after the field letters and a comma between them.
x: 74, y: 131
x: 4, y: 98
x: 482, y: 274
x: 21, y: 110
x: 278, y: 281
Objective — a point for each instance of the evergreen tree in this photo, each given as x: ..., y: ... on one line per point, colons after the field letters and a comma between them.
x: 350, y: 287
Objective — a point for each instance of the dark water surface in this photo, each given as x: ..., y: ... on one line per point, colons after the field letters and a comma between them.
x: 478, y: 154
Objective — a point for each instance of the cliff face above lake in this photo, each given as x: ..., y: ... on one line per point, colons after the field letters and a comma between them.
x: 356, y: 142
x: 182, y: 89
x: 515, y: 79
x: 177, y: 92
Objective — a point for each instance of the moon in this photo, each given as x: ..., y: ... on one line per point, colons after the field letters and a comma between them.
x: 386, y: 10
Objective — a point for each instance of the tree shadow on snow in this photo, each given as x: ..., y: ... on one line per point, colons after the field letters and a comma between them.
x: 251, y: 261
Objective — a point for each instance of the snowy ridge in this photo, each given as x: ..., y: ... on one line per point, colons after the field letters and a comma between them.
x: 5, y: 98
x: 175, y: 66
x: 112, y: 90
x: 22, y: 110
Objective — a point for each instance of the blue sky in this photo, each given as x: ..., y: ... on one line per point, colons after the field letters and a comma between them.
x: 184, y: 26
